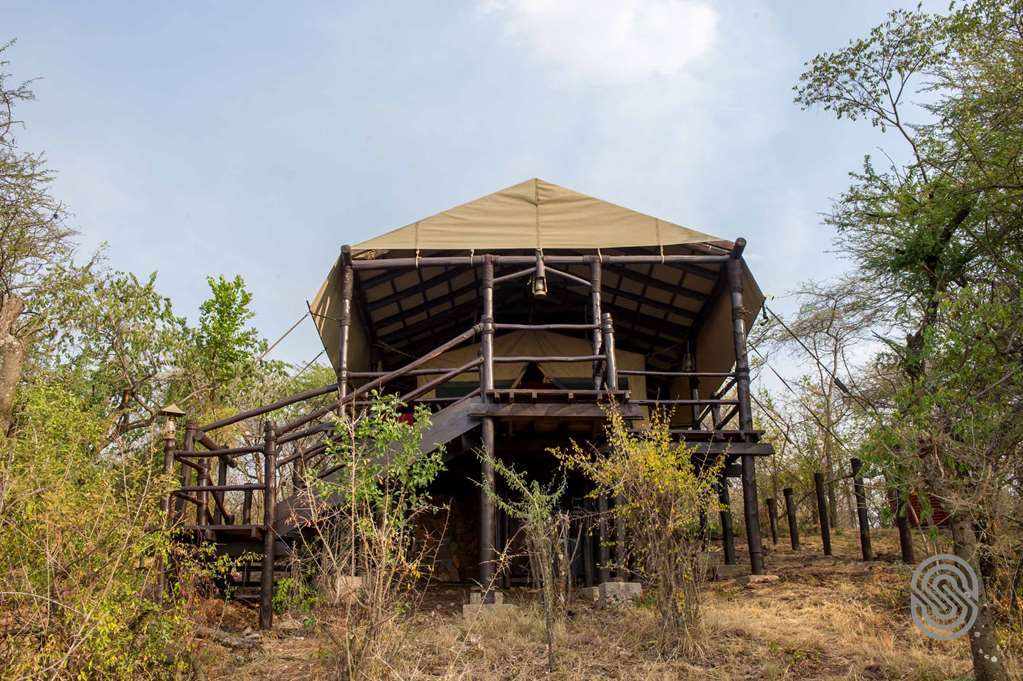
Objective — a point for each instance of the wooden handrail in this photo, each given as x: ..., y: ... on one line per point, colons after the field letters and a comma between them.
x: 432, y: 371
x: 221, y: 488
x: 312, y: 430
x: 218, y: 452
x: 273, y: 406
x: 382, y: 380
x: 444, y: 378
x: 686, y: 402
x: 679, y: 374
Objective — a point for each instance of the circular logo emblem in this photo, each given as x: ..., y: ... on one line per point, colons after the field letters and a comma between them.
x: 944, y: 597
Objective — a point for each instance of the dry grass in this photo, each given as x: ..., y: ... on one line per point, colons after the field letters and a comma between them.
x: 827, y: 618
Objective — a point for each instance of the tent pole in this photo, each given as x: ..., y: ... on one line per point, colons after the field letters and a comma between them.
x: 742, y: 389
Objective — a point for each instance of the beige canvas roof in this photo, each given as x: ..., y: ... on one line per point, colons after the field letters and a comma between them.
x: 401, y: 314
x: 535, y: 214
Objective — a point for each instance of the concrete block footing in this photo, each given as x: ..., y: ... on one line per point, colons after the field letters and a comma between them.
x: 619, y: 593
x: 747, y: 580
x: 476, y: 598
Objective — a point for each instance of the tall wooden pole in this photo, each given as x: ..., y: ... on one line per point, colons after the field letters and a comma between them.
x: 266, y: 581
x: 218, y: 515
x: 186, y: 478
x: 689, y: 364
x: 169, y: 443
x: 200, y: 475
x: 772, y: 517
x: 861, y: 509
x: 611, y: 379
x: 611, y: 362
x: 487, y: 511
x: 596, y: 277
x: 790, y: 513
x: 822, y: 512
x: 727, y: 533
x: 742, y: 387
x: 347, y: 287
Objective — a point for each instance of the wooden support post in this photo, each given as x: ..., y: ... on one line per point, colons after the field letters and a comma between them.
x: 742, y: 388
x: 822, y: 512
x: 790, y: 513
x: 185, y: 475
x: 604, y: 553
x: 621, y: 558
x: 266, y: 581
x: 347, y: 287
x: 727, y: 533
x: 218, y: 514
x: 772, y: 517
x: 169, y: 443
x: 861, y: 509
x: 689, y: 364
x: 200, y: 475
x: 902, y: 522
x: 611, y: 363
x: 487, y: 513
x: 487, y: 330
x: 487, y: 510
x: 247, y: 507
x: 596, y: 277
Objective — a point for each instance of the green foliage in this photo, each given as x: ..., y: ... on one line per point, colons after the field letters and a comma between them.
x: 364, y: 523
x: 664, y: 495
x: 224, y: 342
x: 293, y: 595
x: 75, y: 526
x: 937, y: 245
x: 382, y: 466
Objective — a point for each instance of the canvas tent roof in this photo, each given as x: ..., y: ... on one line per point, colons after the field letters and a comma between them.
x: 657, y: 307
x: 534, y: 214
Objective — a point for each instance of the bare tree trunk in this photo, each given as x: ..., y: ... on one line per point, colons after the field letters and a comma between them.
x: 987, y: 658
x: 12, y: 357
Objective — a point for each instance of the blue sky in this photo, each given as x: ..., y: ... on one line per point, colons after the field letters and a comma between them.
x: 256, y: 138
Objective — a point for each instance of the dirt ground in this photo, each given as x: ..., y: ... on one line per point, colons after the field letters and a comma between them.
x: 825, y: 618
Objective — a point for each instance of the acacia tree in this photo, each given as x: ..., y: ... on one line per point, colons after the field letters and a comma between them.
x: 33, y: 238
x: 936, y: 242
x: 832, y: 320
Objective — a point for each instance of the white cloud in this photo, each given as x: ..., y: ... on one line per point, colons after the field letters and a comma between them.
x: 610, y: 41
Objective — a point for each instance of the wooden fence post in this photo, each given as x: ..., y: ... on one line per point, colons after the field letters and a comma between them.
x: 822, y: 512
x: 772, y: 516
x: 861, y: 509
x: 596, y: 277
x: 266, y: 581
x: 169, y: 443
x: 790, y: 513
